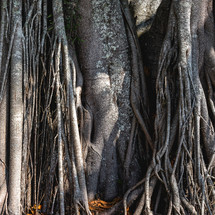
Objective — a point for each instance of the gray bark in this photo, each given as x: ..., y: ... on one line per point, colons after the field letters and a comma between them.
x: 144, y: 12
x: 71, y: 71
x: 106, y: 72
x: 3, y: 151
x: 3, y: 113
x: 16, y: 114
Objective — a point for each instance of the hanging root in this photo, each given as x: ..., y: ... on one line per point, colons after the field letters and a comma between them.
x: 179, y: 161
x: 178, y: 155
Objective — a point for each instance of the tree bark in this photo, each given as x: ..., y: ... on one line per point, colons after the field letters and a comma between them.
x: 16, y: 113
x: 88, y: 125
x: 106, y: 71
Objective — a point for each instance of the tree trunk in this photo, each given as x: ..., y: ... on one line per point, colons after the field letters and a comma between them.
x: 16, y: 113
x: 106, y: 70
x: 3, y: 151
x: 95, y: 120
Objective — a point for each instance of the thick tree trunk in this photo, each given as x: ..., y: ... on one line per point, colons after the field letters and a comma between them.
x: 92, y: 128
x: 106, y: 72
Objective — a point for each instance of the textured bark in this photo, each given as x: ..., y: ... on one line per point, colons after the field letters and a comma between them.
x: 88, y: 125
x: 16, y: 114
x: 3, y: 151
x: 3, y: 115
x: 181, y: 106
x: 106, y: 72
x: 60, y: 141
x: 144, y: 12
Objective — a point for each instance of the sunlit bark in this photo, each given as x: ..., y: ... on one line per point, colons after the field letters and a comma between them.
x: 16, y: 113
x: 94, y: 120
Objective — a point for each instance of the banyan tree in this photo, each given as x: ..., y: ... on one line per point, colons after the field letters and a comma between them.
x: 107, y: 107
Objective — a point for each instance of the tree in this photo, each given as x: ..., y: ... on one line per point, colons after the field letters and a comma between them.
x: 95, y: 120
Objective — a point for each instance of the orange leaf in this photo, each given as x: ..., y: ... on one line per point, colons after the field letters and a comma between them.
x: 100, y: 205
